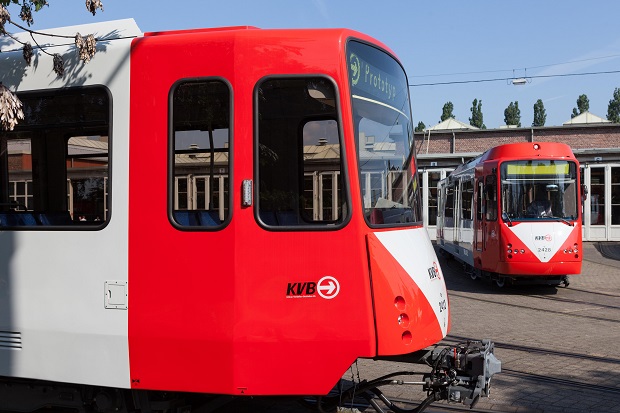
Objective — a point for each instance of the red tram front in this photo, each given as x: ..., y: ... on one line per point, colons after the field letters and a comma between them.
x: 514, y: 213
x: 313, y: 255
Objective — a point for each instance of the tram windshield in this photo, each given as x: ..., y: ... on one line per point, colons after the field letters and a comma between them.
x: 539, y: 190
x: 383, y: 128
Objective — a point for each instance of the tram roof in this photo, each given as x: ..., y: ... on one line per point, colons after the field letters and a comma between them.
x: 518, y: 150
x: 103, y: 31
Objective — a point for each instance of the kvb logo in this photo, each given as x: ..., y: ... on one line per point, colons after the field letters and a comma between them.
x: 433, y: 272
x: 327, y: 287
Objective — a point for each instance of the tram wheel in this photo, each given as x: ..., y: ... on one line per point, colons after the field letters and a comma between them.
x: 500, y: 282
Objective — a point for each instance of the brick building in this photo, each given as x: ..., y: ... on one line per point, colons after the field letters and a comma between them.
x: 595, y: 142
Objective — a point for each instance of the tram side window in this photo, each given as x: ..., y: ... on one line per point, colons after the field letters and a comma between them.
x: 200, y: 140
x: 491, y: 197
x: 55, y: 163
x: 467, y: 191
x: 300, y: 167
x: 449, y: 207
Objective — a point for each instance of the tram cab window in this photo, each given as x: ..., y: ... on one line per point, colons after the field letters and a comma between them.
x: 300, y: 164
x: 390, y: 193
x: 200, y: 141
x: 540, y: 189
x: 55, y: 163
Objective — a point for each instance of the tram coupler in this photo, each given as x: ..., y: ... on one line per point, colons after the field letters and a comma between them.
x: 462, y: 373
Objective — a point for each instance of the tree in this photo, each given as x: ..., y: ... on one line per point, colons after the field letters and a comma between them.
x: 448, y: 107
x: 583, y: 105
x: 540, y: 115
x: 613, y: 110
x: 512, y: 114
x: 10, y: 105
x: 476, y: 114
x: 421, y: 126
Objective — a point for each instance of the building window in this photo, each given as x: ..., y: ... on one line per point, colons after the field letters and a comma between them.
x: 56, y: 162
x: 615, y: 195
x: 597, y: 196
x: 200, y: 141
x: 433, y: 211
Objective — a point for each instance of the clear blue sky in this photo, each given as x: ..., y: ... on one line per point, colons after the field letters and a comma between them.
x: 437, y: 42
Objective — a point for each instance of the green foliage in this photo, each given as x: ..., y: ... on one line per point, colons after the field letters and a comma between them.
x: 421, y: 126
x: 583, y: 105
x: 448, y: 107
x: 540, y: 115
x: 613, y: 110
x: 10, y: 105
x: 512, y: 114
x: 476, y: 114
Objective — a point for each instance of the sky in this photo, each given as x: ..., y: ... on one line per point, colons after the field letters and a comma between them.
x: 452, y: 50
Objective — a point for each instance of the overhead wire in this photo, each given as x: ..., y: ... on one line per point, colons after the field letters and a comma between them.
x: 508, y: 79
x: 512, y: 70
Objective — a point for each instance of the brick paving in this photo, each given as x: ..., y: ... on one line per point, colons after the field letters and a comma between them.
x: 559, y: 347
x: 570, y: 335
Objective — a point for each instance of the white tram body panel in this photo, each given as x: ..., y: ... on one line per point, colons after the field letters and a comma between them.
x: 35, y: 304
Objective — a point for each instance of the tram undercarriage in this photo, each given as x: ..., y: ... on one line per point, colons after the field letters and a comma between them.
x: 459, y: 374
x: 502, y: 280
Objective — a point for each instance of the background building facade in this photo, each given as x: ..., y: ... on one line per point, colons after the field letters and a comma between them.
x: 595, y: 143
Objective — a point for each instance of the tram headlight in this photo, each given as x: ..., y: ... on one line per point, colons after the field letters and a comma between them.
x: 522, y: 251
x: 509, y: 251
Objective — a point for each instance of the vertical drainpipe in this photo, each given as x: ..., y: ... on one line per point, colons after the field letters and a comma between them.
x: 532, y: 135
x: 453, y: 142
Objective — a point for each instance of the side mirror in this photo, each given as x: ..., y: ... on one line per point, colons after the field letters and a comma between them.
x: 584, y: 192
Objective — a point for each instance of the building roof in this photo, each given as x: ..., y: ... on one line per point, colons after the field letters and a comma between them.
x: 585, y: 118
x: 451, y: 124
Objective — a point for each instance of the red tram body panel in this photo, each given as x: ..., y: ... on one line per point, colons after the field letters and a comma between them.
x: 514, y: 213
x: 219, y: 211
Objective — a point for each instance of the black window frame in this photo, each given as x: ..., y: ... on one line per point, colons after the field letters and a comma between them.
x: 56, y: 219
x: 265, y: 220
x: 172, y: 152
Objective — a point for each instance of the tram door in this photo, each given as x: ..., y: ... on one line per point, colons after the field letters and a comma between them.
x: 489, y: 224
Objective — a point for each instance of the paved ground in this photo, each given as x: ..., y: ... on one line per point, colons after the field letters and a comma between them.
x: 559, y: 347
x: 569, y: 336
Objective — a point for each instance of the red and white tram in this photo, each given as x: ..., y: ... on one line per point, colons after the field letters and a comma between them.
x: 218, y: 211
x: 514, y: 214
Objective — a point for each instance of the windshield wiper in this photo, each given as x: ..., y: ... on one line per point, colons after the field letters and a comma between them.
x: 567, y: 222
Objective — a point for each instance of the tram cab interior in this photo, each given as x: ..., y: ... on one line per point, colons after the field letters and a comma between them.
x: 541, y: 189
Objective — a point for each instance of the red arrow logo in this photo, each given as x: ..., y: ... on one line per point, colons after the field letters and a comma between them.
x: 328, y: 287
